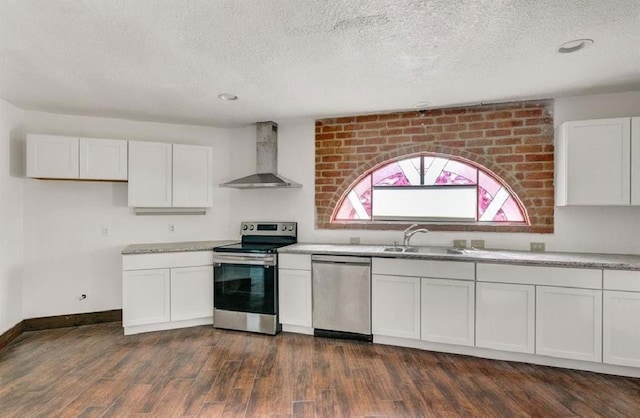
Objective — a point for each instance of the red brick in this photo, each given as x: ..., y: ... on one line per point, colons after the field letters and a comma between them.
x: 500, y: 150
x: 329, y: 173
x: 325, y: 151
x: 322, y: 137
x: 513, y: 158
x: 353, y: 142
x: 325, y: 166
x: 527, y: 131
x: 413, y: 130
x: 539, y: 157
x: 367, y: 134
x: 471, y: 118
x: 456, y: 111
x: 446, y: 119
x: 375, y: 125
x: 498, y: 115
x: 367, y: 118
x: 423, y: 121
x: 481, y: 125
x: 509, y: 123
x: 366, y: 149
x: 390, y: 132
x: 455, y: 128
x: 353, y: 127
x: 529, y: 148
x: 398, y: 123
x: 331, y: 158
x: 528, y: 113
x: 470, y: 134
x: 497, y: 132
x: 331, y: 128
x: 376, y: 141
x: 446, y: 136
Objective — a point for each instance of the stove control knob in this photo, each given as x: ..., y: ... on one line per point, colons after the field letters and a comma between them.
x: 245, y: 227
x: 251, y: 228
x: 290, y: 227
x: 284, y: 227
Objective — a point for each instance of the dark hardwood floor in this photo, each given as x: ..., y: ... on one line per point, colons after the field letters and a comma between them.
x: 96, y: 371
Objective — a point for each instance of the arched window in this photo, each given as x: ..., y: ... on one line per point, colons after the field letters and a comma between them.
x: 433, y: 188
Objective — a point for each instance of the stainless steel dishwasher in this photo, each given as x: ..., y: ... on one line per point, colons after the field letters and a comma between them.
x: 341, y: 296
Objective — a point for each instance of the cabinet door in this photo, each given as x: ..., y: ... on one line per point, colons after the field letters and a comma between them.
x: 635, y: 161
x: 103, y: 159
x: 50, y: 156
x: 505, y: 317
x: 395, y: 306
x: 149, y: 174
x: 621, y: 328
x: 569, y: 323
x: 447, y: 311
x: 145, y: 297
x: 294, y: 297
x: 596, y: 155
x: 192, y: 176
x: 191, y: 292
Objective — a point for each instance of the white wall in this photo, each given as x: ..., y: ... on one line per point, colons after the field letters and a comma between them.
x: 608, y: 230
x: 65, y: 253
x: 11, y: 236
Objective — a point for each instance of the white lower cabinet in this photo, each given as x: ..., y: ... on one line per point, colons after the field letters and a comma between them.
x: 145, y: 297
x: 621, y: 328
x: 569, y: 323
x: 294, y: 297
x: 294, y: 290
x: 165, y: 291
x: 395, y: 306
x: 191, y: 292
x: 447, y: 311
x: 505, y: 317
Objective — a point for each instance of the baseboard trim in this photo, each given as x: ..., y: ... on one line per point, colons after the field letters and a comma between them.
x: 11, y: 334
x: 59, y: 321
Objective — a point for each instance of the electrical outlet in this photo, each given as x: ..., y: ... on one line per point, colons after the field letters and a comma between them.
x: 460, y: 243
x: 537, y: 247
x: 354, y: 240
x: 105, y: 230
x: 477, y: 244
x: 172, y: 228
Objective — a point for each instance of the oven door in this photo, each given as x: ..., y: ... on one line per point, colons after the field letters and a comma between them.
x: 245, y: 282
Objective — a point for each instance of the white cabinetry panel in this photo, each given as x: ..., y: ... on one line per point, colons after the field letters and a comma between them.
x: 569, y: 323
x: 192, y: 176
x: 103, y: 159
x: 539, y: 275
x: 294, y: 287
x: 191, y: 292
x: 621, y: 328
x: 396, y: 306
x: 423, y: 268
x: 505, y: 317
x: 635, y: 161
x: 149, y: 174
x: 447, y: 311
x: 593, y: 163
x: 145, y: 297
x: 51, y: 156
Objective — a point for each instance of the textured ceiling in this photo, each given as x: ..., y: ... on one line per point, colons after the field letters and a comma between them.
x: 167, y: 60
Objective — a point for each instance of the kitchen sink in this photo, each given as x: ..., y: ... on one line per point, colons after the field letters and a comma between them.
x: 423, y: 250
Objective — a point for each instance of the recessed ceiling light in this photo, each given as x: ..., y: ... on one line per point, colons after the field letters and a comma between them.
x: 227, y: 97
x: 574, y: 46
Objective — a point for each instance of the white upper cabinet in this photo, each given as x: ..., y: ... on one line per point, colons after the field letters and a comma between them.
x: 163, y: 175
x: 192, y: 174
x: 635, y: 161
x: 66, y: 157
x: 149, y: 174
x: 594, y: 163
x: 51, y: 156
x: 103, y: 159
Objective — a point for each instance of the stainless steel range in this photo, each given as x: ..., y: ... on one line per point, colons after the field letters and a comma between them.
x: 245, y: 277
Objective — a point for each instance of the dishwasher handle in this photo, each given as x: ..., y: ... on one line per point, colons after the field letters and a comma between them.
x: 341, y: 259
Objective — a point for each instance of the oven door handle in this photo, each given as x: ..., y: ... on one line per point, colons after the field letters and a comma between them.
x: 244, y: 259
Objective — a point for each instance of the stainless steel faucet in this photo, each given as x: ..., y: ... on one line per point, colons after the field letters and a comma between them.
x: 409, y: 232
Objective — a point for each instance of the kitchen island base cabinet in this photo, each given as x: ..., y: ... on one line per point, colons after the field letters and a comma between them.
x: 505, y: 317
x: 447, y: 311
x: 167, y: 291
x: 145, y: 297
x: 569, y: 323
x: 191, y: 292
x: 396, y: 306
x: 294, y: 293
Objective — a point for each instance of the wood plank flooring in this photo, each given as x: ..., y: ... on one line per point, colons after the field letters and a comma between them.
x: 96, y: 371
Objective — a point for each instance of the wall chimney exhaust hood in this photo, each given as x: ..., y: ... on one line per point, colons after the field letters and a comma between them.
x: 267, y: 162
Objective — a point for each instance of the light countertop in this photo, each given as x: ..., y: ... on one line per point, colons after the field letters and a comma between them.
x: 175, y: 247
x: 549, y: 259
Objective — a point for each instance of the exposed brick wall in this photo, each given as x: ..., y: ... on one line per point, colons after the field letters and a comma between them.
x: 513, y: 140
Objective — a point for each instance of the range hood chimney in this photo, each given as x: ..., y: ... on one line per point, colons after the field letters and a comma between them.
x: 267, y: 162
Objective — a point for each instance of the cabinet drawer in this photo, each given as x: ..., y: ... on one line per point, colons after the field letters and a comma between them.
x: 294, y: 261
x: 424, y: 268
x: 621, y: 280
x: 545, y: 276
x: 167, y: 260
